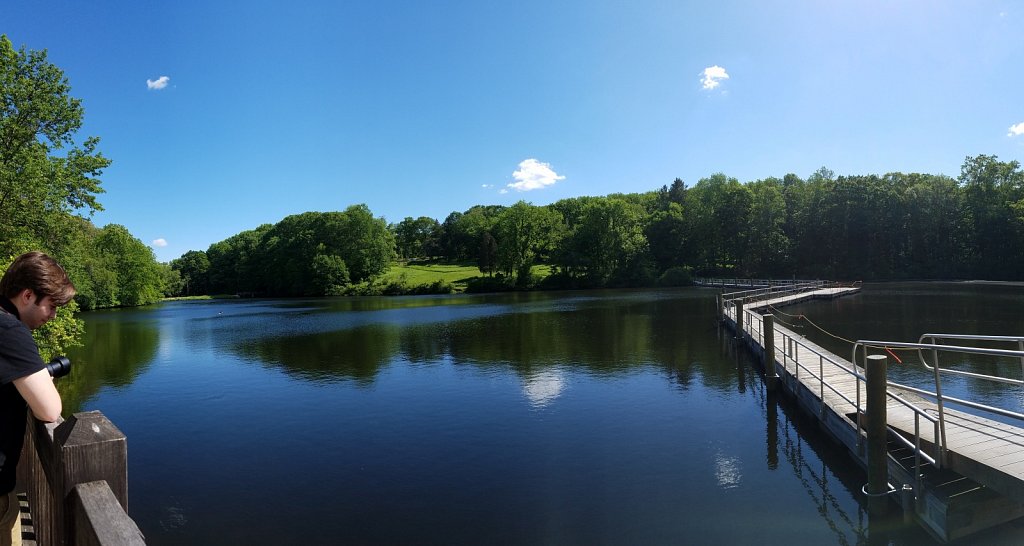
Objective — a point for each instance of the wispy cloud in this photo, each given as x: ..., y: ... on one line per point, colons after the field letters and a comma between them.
x: 158, y: 83
x: 1016, y: 130
x: 713, y: 76
x: 160, y: 243
x: 533, y: 175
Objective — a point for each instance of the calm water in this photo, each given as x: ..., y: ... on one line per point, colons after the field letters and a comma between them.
x: 621, y: 417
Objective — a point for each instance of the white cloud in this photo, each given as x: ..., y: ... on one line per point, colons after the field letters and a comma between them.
x: 160, y: 242
x: 713, y: 76
x: 158, y: 83
x: 1016, y: 130
x: 486, y: 185
x: 533, y: 175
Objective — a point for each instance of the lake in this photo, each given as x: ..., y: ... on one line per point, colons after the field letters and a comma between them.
x: 605, y: 417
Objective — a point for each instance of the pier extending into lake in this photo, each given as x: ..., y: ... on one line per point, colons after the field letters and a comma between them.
x: 956, y: 472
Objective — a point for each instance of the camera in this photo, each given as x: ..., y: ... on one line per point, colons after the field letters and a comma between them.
x: 59, y: 366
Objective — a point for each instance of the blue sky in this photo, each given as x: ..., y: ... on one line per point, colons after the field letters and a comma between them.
x: 221, y: 116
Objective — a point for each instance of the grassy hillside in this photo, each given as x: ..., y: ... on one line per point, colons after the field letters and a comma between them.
x: 419, y: 273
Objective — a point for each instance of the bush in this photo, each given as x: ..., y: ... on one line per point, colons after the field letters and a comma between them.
x: 489, y: 284
x: 676, y: 276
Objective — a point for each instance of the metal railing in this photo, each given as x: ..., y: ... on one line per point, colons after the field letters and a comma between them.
x: 769, y: 292
x: 704, y: 281
x: 937, y: 372
x: 813, y: 372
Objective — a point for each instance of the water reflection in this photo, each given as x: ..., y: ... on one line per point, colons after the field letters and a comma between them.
x: 357, y: 354
x: 604, y: 335
x: 117, y: 347
x: 727, y: 471
x: 543, y: 387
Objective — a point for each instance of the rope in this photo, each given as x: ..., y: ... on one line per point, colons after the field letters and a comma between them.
x: 840, y: 338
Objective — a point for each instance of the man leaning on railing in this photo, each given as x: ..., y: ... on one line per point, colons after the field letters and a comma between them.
x: 31, y: 290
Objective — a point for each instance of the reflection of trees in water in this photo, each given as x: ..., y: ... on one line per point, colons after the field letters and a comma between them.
x: 356, y: 354
x: 603, y: 336
x: 114, y: 353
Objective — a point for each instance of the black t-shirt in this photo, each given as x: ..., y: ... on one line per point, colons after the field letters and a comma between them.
x: 19, y: 357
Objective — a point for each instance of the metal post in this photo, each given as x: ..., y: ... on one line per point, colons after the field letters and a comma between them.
x: 769, y: 351
x: 878, y: 468
x: 739, y: 319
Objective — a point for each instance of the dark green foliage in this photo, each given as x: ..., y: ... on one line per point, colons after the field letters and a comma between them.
x: 676, y: 276
x: 193, y: 269
x: 419, y: 238
x: 309, y: 254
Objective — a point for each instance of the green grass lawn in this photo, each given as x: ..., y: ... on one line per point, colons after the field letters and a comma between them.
x: 458, y: 275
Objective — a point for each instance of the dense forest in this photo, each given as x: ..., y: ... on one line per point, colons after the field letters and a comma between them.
x: 865, y: 227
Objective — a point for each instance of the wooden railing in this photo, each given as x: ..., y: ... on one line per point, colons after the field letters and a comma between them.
x: 75, y: 474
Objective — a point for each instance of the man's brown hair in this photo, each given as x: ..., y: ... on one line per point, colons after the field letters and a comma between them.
x: 39, y: 273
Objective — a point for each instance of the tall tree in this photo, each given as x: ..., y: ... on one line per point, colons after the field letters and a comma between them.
x: 525, y: 234
x: 44, y: 174
x: 993, y: 193
x: 194, y: 269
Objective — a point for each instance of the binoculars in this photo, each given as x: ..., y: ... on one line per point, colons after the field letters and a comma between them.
x: 59, y: 366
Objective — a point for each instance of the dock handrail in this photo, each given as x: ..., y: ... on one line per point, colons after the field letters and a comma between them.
x: 941, y: 399
x: 790, y: 357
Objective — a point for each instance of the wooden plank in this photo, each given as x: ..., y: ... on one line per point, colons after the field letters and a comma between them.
x: 100, y: 519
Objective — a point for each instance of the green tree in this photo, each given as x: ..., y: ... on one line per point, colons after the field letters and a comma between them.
x: 668, y: 237
x: 768, y: 251
x: 488, y: 257
x: 194, y: 270
x: 44, y: 175
x: 419, y: 238
x: 525, y: 234
x: 139, y: 280
x: 993, y: 193
x: 607, y: 242
x: 171, y: 280
x: 720, y: 216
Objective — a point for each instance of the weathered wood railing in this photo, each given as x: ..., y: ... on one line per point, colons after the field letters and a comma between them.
x: 75, y: 473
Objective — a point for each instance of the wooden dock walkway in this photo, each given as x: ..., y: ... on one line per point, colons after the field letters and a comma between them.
x: 976, y: 482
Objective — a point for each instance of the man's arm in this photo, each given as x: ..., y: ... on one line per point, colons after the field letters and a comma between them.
x: 42, y: 396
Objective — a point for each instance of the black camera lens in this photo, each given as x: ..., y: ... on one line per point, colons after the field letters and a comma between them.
x: 59, y: 366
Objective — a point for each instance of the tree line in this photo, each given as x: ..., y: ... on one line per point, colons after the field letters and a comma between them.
x: 865, y: 227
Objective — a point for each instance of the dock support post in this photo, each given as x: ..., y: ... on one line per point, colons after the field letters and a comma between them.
x: 720, y: 301
x: 878, y: 471
x: 769, y: 351
x: 739, y: 319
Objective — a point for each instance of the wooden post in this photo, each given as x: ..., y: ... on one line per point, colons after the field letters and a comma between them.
x: 739, y: 319
x: 99, y: 518
x: 88, y: 447
x: 769, y: 351
x: 878, y: 471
